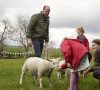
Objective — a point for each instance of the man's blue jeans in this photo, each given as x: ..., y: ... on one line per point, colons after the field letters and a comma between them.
x: 38, y: 46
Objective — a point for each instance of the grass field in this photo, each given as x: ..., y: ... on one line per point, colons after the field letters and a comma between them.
x: 16, y: 49
x: 10, y: 70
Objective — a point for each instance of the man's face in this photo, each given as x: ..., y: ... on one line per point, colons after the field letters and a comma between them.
x: 46, y: 11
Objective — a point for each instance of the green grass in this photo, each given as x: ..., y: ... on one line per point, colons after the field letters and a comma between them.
x: 51, y: 52
x: 10, y: 70
x: 16, y: 49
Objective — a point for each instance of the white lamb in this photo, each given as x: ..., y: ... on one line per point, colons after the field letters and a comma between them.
x: 38, y: 68
x: 62, y: 72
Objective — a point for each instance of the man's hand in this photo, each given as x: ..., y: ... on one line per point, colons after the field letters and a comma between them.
x: 69, y: 65
x: 46, y: 44
x: 29, y: 42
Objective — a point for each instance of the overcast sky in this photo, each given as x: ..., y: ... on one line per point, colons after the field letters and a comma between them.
x: 65, y: 15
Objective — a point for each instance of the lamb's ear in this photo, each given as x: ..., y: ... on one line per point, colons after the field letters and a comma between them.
x: 48, y: 60
x: 58, y: 59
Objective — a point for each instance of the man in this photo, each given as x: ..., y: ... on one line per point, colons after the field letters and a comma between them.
x: 38, y: 30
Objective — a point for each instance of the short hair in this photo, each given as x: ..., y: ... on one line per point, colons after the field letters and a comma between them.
x: 80, y: 29
x: 96, y: 41
x: 45, y: 6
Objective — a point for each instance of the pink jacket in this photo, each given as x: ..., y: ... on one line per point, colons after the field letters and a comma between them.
x: 85, y: 42
x: 73, y: 51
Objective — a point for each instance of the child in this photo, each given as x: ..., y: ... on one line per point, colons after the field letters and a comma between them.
x: 76, y: 58
x: 82, y: 38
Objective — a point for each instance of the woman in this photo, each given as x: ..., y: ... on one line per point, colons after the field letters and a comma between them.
x: 96, y: 67
x: 76, y: 57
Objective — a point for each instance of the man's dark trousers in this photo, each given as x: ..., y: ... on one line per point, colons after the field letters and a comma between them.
x: 38, y: 46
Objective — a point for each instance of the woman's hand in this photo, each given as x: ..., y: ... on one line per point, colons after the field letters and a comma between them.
x: 86, y: 71
x: 69, y: 65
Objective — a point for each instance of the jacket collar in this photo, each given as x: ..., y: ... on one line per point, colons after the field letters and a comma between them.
x: 44, y: 15
x: 74, y: 40
x: 84, y: 38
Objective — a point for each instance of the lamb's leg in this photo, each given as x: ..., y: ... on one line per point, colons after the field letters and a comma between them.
x: 40, y: 82
x: 24, y: 69
x: 40, y: 78
x: 83, y: 75
x: 22, y: 75
x: 58, y: 75
x: 49, y: 79
x: 35, y: 78
x: 66, y: 73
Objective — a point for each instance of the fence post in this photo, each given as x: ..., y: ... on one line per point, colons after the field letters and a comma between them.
x: 3, y: 54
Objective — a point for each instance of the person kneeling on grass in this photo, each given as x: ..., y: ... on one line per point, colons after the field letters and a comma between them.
x: 96, y: 67
x: 77, y: 58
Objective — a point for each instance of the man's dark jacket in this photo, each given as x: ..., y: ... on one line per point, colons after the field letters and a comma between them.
x: 38, y: 27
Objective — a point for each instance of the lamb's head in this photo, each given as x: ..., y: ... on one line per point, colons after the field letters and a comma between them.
x: 55, y: 62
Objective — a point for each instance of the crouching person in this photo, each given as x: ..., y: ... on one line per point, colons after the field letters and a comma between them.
x: 96, y: 67
x: 77, y: 58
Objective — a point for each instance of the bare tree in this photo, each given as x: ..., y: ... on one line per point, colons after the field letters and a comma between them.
x: 20, y: 32
x: 4, y: 32
x: 52, y: 44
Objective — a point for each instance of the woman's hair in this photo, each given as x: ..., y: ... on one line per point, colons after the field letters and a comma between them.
x: 97, y: 56
x: 80, y: 29
x: 96, y: 41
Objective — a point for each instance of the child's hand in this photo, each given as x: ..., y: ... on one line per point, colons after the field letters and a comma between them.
x: 69, y: 65
x: 57, y: 69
